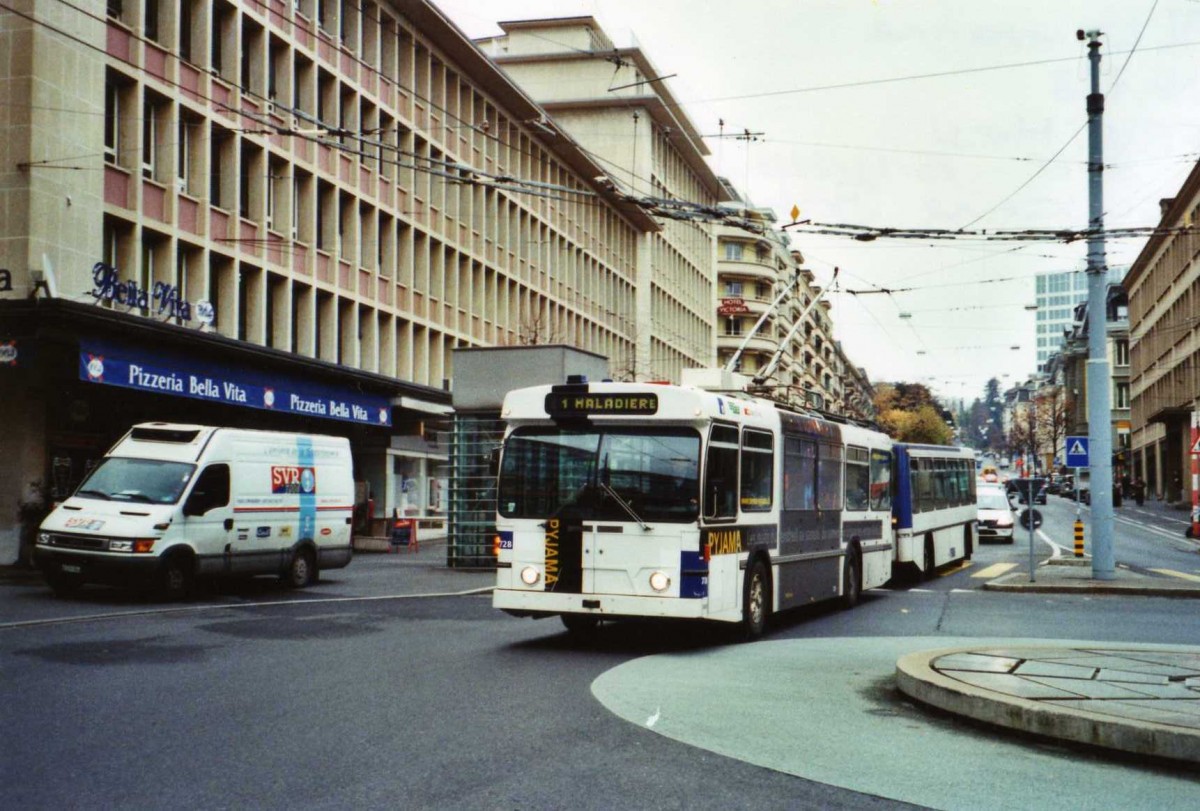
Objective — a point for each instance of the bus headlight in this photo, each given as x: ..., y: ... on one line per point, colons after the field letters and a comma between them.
x: 530, y: 575
x: 659, y: 581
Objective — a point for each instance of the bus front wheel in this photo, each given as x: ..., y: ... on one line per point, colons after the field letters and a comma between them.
x: 756, y: 601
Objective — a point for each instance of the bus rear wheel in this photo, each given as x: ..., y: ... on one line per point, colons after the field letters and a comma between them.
x: 929, y: 564
x: 756, y: 601
x: 851, y: 579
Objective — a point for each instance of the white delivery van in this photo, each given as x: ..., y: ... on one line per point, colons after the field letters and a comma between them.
x: 171, y: 502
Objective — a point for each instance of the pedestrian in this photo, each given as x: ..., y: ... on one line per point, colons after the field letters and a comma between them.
x: 1125, y: 485
x: 1176, y: 493
x: 1139, y: 490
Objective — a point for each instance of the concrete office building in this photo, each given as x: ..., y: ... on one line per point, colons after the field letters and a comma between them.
x: 287, y: 215
x: 612, y: 101
x: 1056, y: 296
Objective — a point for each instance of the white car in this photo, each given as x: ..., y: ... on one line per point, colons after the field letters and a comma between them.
x: 995, y: 517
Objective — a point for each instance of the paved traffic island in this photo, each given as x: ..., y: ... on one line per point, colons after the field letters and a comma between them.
x: 1143, y: 700
x: 1074, y: 575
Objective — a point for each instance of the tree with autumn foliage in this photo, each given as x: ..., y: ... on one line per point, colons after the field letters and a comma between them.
x: 908, y: 412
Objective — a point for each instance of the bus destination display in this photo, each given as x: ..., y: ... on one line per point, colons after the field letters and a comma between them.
x: 584, y: 404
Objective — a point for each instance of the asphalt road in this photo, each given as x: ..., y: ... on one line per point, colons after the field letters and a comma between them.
x: 253, y: 697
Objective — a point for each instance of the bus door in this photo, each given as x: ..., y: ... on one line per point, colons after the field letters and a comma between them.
x: 810, y: 521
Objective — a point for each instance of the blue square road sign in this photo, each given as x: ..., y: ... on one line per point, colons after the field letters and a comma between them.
x: 1077, y: 451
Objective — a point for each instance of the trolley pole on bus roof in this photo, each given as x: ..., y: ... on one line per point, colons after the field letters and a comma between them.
x: 1098, y: 397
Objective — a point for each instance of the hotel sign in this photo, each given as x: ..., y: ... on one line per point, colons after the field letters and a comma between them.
x: 732, y: 306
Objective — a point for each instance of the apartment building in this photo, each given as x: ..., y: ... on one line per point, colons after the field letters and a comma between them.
x: 287, y: 215
x: 1164, y: 299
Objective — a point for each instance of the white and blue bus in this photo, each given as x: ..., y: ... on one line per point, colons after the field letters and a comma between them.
x: 643, y: 500
x: 934, y: 507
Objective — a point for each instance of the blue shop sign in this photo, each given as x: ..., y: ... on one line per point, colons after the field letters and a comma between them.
x: 114, y: 364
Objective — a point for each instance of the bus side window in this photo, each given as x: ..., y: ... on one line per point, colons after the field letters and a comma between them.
x: 829, y: 477
x: 799, y: 474
x: 881, y: 475
x: 858, y: 479
x: 721, y: 473
x: 758, y: 468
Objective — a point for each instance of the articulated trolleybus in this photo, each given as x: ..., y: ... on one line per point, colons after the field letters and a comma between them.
x: 644, y: 500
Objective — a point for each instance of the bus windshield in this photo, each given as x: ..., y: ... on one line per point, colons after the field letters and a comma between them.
x: 549, y: 470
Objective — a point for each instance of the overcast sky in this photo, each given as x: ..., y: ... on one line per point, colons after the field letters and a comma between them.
x: 940, y: 152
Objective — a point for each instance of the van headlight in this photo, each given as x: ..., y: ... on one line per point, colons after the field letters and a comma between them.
x: 45, y: 539
x: 135, y: 545
x: 530, y: 575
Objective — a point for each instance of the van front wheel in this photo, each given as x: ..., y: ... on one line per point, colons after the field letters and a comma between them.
x: 302, y: 571
x: 175, y: 577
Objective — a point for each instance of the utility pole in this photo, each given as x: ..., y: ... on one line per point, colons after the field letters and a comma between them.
x: 1098, y: 378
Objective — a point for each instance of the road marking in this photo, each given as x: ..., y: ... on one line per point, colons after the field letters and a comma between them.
x: 1181, y: 575
x: 995, y: 570
x: 196, y: 609
x: 1147, y: 527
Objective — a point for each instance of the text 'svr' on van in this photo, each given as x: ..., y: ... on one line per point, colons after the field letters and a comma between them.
x: 173, y: 502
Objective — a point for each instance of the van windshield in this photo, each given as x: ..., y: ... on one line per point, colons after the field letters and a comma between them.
x: 146, y: 481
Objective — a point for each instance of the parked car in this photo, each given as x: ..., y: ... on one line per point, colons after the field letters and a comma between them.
x: 994, y: 517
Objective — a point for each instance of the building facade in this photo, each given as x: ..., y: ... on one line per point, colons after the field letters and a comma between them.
x: 1074, y: 377
x: 287, y: 215
x: 611, y: 100
x: 1164, y: 299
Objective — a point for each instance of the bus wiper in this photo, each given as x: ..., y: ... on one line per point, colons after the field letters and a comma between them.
x: 625, y: 506
x: 98, y: 493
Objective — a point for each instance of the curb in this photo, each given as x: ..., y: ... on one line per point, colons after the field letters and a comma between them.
x: 1018, y: 583
x: 917, y: 679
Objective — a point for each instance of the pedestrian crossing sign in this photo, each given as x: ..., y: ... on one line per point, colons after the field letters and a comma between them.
x: 1077, y: 451
x: 1195, y: 446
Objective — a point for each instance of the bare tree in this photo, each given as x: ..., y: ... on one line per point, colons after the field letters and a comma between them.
x: 1053, y: 413
x: 537, y: 330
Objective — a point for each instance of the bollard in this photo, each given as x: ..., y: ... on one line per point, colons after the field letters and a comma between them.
x: 1078, y: 539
